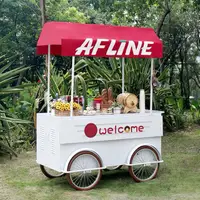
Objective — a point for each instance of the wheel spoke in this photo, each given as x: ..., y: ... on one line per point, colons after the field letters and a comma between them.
x: 142, y: 172
x: 83, y: 163
x: 79, y: 167
x: 139, y: 170
x: 92, y: 177
x: 80, y: 163
x: 75, y: 178
x: 84, y: 181
x: 78, y: 180
x: 81, y: 180
x: 139, y: 158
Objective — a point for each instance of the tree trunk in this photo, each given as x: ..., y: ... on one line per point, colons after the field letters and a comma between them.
x: 171, y: 75
x: 43, y: 11
x: 160, y: 25
x: 162, y: 19
x: 181, y: 73
x: 43, y: 16
x: 187, y: 84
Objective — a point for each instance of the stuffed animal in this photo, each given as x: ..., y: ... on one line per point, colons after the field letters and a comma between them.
x: 129, y: 102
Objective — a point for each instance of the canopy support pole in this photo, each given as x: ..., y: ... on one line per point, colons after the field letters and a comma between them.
x: 72, y: 87
x: 122, y: 75
x: 151, y: 86
x: 48, y: 77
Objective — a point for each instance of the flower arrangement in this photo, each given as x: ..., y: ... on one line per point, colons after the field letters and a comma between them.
x: 63, y: 108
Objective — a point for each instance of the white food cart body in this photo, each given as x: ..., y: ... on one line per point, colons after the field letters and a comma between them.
x: 106, y: 140
x: 60, y: 138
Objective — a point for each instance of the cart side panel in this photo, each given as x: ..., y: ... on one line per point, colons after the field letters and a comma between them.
x: 116, y: 152
x: 48, y: 148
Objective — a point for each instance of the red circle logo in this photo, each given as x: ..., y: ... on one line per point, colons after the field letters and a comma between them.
x: 90, y: 130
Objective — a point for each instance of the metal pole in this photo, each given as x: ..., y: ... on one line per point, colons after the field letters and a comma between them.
x: 48, y: 77
x: 72, y: 87
x: 122, y: 75
x: 151, y: 86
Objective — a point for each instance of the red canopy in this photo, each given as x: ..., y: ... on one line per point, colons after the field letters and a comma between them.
x: 74, y: 39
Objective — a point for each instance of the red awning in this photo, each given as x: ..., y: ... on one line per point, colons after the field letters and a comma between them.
x: 74, y: 39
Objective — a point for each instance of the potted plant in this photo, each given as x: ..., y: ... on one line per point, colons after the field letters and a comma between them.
x: 116, y: 107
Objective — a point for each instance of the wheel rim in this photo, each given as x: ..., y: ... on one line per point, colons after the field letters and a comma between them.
x: 144, y: 172
x: 52, y: 173
x: 85, y: 179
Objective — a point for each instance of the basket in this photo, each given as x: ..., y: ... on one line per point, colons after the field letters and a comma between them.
x: 67, y: 113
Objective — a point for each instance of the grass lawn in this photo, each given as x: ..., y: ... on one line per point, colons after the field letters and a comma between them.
x: 178, y: 177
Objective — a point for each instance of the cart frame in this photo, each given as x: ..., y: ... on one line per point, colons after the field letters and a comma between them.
x: 154, y: 133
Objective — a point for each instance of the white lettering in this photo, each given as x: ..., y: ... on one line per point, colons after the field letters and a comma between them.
x: 132, y: 48
x: 146, y: 47
x: 86, y: 46
x: 98, y: 45
x: 110, y: 50
x: 131, y: 45
x: 121, y: 48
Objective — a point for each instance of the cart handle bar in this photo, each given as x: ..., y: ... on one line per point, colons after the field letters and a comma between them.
x: 145, y: 163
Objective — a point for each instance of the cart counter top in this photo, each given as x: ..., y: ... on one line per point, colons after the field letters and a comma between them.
x: 80, y: 129
x: 102, y: 115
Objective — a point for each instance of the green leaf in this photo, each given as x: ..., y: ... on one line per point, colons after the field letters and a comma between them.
x: 10, y: 91
x: 4, y: 68
x: 12, y: 73
x: 14, y: 120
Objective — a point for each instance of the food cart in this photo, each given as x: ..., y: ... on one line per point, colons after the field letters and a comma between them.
x: 82, y: 146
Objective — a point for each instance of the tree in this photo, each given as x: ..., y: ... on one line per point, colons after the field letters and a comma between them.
x: 43, y: 11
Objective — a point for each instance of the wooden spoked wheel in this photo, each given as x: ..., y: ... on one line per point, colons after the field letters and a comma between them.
x: 50, y: 173
x: 84, y: 177
x: 148, y: 168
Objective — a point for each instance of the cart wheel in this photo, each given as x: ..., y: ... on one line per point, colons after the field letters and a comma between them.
x: 144, y: 172
x: 88, y: 179
x: 113, y: 168
x: 50, y: 173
